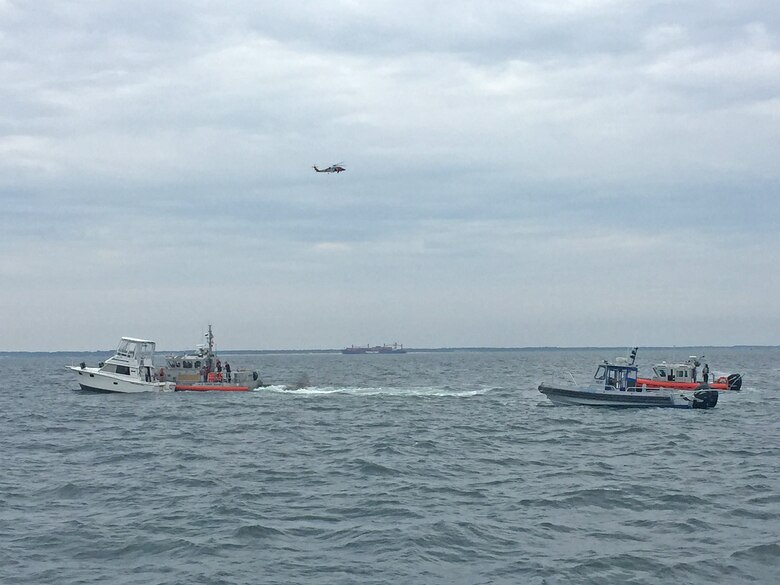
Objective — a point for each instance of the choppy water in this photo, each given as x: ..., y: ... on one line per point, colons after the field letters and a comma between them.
x: 418, y: 468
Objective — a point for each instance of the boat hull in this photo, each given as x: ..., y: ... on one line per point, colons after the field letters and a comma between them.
x: 93, y: 380
x: 733, y: 382
x: 624, y: 399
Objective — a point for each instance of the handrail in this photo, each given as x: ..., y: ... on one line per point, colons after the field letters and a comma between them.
x: 561, y: 372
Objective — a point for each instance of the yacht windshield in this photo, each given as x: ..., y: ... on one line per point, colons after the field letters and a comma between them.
x: 126, y: 348
x: 145, y: 350
x: 135, y: 349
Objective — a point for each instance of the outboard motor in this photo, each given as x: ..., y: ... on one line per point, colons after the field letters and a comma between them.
x: 705, y: 398
x: 734, y: 381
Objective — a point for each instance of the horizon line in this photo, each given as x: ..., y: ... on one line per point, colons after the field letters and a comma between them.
x: 409, y: 349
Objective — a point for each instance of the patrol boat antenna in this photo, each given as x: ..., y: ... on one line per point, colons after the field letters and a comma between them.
x: 210, y: 354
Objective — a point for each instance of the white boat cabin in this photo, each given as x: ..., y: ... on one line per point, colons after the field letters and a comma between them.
x: 133, y: 357
x: 186, y: 368
x: 682, y: 372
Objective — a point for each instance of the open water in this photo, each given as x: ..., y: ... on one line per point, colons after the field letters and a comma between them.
x: 419, y: 468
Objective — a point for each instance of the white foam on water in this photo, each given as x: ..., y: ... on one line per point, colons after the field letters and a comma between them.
x: 271, y: 388
x: 379, y: 391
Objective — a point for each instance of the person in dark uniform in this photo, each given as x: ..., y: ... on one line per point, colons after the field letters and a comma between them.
x: 227, y: 371
x: 705, y: 373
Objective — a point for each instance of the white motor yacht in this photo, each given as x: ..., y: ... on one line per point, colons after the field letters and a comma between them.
x: 131, y: 369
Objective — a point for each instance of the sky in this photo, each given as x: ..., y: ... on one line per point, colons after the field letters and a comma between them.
x: 537, y: 173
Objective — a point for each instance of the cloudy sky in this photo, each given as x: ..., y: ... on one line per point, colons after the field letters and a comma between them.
x: 562, y: 172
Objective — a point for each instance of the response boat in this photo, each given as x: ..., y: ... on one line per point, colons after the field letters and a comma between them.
x: 202, y: 371
x: 131, y: 369
x: 687, y: 376
x: 617, y: 384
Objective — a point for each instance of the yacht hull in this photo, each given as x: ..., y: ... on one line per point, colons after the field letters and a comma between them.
x: 94, y: 380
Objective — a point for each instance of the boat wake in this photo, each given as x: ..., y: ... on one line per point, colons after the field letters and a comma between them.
x: 422, y: 391
x: 270, y: 388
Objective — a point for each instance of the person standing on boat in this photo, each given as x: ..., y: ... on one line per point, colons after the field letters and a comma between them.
x: 694, y: 372
x: 219, y: 367
x: 705, y: 373
x: 227, y: 371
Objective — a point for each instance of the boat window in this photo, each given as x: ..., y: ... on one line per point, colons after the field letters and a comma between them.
x: 661, y: 372
x: 621, y: 378
x: 126, y: 348
x: 197, y: 365
x: 600, y: 373
x: 186, y: 364
x: 146, y: 349
x: 123, y: 370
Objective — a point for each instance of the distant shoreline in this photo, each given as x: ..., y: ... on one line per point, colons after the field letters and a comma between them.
x: 408, y: 350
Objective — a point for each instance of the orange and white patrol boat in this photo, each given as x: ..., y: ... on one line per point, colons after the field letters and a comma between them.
x: 203, y: 371
x: 688, y: 375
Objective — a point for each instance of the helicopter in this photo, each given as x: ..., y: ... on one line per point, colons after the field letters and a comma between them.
x: 337, y: 168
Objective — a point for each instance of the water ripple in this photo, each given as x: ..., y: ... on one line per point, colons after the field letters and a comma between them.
x: 432, y: 468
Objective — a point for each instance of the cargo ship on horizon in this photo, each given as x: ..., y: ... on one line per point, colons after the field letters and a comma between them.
x: 360, y: 349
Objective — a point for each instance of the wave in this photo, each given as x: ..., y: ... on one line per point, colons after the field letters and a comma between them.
x: 257, y: 531
x: 414, y: 391
x: 762, y: 553
x: 435, y: 469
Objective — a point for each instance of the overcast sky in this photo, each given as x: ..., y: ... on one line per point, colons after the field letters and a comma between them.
x: 562, y: 172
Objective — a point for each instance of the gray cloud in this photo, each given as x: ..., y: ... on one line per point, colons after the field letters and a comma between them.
x: 529, y: 174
